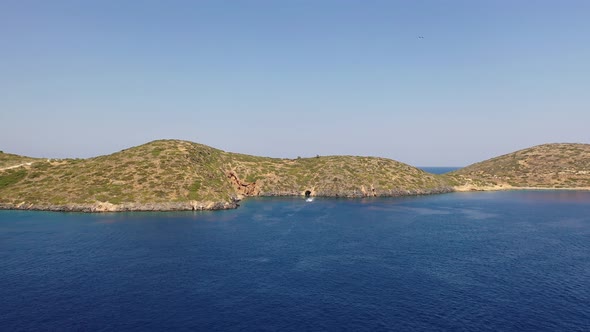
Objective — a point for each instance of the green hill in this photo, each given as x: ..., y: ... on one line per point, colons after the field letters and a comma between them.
x: 179, y: 175
x: 544, y: 166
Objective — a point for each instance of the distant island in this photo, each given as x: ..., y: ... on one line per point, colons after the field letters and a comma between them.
x: 175, y: 175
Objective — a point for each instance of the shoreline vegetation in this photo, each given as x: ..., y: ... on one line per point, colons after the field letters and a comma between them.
x: 175, y: 175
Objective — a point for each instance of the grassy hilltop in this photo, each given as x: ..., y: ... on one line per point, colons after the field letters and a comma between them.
x: 543, y: 166
x: 180, y: 175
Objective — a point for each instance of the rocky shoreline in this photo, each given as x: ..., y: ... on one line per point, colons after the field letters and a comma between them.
x: 125, y: 207
x: 233, y: 204
x: 359, y: 193
x: 206, y: 206
x: 101, y: 207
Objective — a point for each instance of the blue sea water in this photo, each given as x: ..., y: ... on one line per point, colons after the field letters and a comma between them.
x: 439, y: 170
x: 495, y: 261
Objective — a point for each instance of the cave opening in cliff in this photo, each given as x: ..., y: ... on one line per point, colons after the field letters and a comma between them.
x: 307, y: 193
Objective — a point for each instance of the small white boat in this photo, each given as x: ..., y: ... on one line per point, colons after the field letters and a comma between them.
x: 309, y: 199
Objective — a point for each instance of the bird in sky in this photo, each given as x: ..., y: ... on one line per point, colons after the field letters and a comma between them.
x: 420, y: 37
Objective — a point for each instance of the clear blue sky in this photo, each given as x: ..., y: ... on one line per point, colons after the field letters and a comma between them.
x: 295, y: 78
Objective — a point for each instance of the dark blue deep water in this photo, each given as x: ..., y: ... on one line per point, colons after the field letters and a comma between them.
x: 465, y: 261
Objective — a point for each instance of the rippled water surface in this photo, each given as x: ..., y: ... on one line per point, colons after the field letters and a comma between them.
x: 462, y: 261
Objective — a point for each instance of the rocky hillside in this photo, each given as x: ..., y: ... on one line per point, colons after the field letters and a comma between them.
x: 543, y: 166
x: 180, y: 175
x: 8, y: 161
x: 162, y: 175
x: 334, y: 176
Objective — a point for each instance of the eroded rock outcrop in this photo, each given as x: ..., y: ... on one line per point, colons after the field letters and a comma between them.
x: 242, y: 187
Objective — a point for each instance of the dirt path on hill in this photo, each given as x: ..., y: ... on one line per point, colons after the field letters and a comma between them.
x: 16, y: 166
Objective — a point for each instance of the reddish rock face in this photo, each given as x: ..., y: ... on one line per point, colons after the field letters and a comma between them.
x: 242, y: 187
